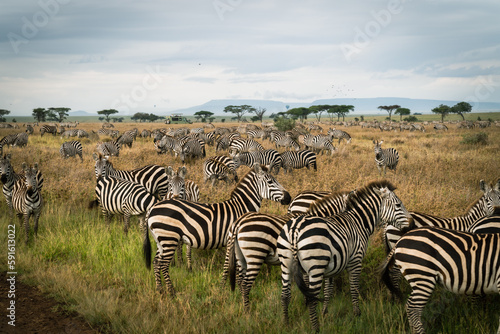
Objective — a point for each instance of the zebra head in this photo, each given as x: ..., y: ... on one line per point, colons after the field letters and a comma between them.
x: 491, y: 197
x: 5, y: 168
x: 378, y: 146
x: 30, y: 177
x: 393, y: 211
x: 176, y: 182
x: 102, y: 165
x: 269, y: 187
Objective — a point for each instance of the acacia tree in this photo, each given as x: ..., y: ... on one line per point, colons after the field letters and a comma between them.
x: 319, y: 109
x: 107, y: 113
x: 299, y: 113
x: 239, y: 111
x: 344, y: 110
x: 389, y: 109
x: 58, y: 114
x: 203, y: 115
x: 40, y: 114
x: 3, y: 112
x: 402, y: 112
x: 461, y: 108
x: 259, y: 113
x: 443, y: 110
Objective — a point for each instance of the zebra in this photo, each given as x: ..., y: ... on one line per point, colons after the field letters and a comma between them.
x: 258, y: 133
x: 323, y: 247
x: 153, y: 177
x: 489, y: 224
x: 9, y: 140
x: 108, y: 132
x: 27, y: 198
x: 304, y: 199
x: 483, y: 207
x: 29, y: 129
x: 48, y: 129
x: 282, y: 140
x: 127, y: 138
x: 463, y: 263
x: 323, y: 142
x: 71, y: 149
x: 119, y: 196
x: 9, y: 177
x: 204, y: 226
x: 220, y: 167
x: 440, y: 126
x: 253, y: 237
x: 109, y: 148
x: 385, y: 157
x: 69, y: 133
x: 82, y: 134
x: 238, y: 145
x: 165, y: 144
x: 191, y: 149
x: 300, y: 159
x: 269, y: 158
x: 340, y: 135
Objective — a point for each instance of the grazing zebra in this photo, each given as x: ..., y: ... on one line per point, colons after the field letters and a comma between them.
x: 191, y: 149
x: 69, y: 133
x: 82, y: 133
x: 71, y: 149
x: 29, y: 129
x: 9, y: 140
x: 483, y: 207
x: 220, y: 167
x: 253, y: 237
x: 300, y: 159
x: 463, y: 263
x: 258, y: 133
x: 238, y: 145
x: 339, y: 134
x: 440, y: 126
x: 108, y: 132
x: 9, y: 178
x: 21, y: 139
x: 385, y: 157
x: 119, y: 196
x: 323, y: 247
x: 48, y: 129
x: 323, y: 142
x: 27, y: 198
x: 269, y: 158
x: 205, y: 226
x: 282, y: 140
x: 165, y: 145
x: 127, y: 138
x: 152, y: 177
x: 304, y: 199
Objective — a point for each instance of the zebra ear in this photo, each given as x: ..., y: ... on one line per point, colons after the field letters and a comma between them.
x: 95, y: 156
x: 169, y: 170
x: 24, y: 166
x: 35, y: 165
x: 382, y: 192
x: 497, y: 186
x: 182, y: 171
x: 257, y: 168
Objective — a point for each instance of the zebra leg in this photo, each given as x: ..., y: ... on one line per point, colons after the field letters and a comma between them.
x: 354, y: 273
x: 253, y: 268
x: 328, y: 293
x: 126, y: 221
x: 225, y: 271
x: 36, y: 217
x: 26, y: 226
x: 188, y: 257
x: 421, y: 292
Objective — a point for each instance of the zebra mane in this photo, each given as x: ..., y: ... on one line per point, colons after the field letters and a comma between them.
x: 317, y: 204
x: 264, y: 168
x: 361, y: 193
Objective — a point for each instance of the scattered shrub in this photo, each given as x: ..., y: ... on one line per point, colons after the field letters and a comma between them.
x: 284, y: 124
x: 480, y: 138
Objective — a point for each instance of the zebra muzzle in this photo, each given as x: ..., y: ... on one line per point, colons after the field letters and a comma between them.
x: 286, y: 198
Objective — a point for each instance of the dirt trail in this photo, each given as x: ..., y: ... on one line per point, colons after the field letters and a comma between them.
x: 34, y: 312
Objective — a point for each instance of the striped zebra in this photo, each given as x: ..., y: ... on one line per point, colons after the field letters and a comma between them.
x: 27, y: 199
x: 269, y: 158
x: 8, y: 140
x: 322, y: 143
x: 165, y: 145
x: 238, y: 145
x: 253, y: 237
x: 48, y: 129
x: 127, y: 198
x: 340, y: 135
x: 489, y: 224
x: 440, y: 126
x: 483, y: 207
x: 127, y: 138
x: 282, y: 140
x: 152, y: 177
x: 257, y: 133
x: 29, y: 129
x: 323, y: 247
x: 463, y: 263
x: 220, y: 167
x: 109, y: 148
x: 9, y: 177
x: 205, y: 226
x: 385, y: 157
x: 69, y: 133
x: 108, y: 132
x: 300, y: 159
x: 191, y: 149
x: 71, y: 149
x: 304, y: 199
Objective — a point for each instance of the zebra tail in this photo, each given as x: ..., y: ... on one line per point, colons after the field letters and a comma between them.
x: 298, y: 277
x: 232, y: 263
x: 93, y: 204
x: 385, y: 274
x: 146, y: 248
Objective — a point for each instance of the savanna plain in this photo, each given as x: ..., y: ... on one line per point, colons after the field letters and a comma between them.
x: 99, y: 272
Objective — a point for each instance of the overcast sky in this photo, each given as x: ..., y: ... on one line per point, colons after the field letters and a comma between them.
x: 157, y: 56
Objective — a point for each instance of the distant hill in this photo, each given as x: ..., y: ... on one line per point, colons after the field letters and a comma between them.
x: 81, y: 113
x: 361, y: 105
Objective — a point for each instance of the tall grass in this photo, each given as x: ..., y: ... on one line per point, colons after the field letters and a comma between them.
x: 99, y: 272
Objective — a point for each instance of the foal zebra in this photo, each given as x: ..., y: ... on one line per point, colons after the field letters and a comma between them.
x: 253, y: 237
x: 71, y: 149
x: 152, y: 177
x: 463, y: 263
x: 296, y: 160
x: 27, y: 198
x: 385, y: 158
x: 204, y: 226
x: 119, y: 196
x: 323, y: 247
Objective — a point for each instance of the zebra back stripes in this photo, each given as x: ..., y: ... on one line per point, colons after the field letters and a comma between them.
x: 27, y: 199
x: 304, y: 199
x: 71, y: 149
x: 48, y: 129
x: 237, y: 145
x: 340, y: 135
x: 269, y: 158
x: 220, y: 167
x: 325, y: 247
x: 205, y: 226
x: 109, y: 148
x: 463, y: 263
x: 300, y: 159
x: 152, y: 177
x: 385, y: 158
x: 119, y: 196
x: 489, y: 224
